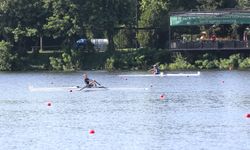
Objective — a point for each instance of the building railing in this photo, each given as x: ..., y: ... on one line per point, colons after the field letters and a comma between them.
x: 225, y: 10
x: 209, y: 44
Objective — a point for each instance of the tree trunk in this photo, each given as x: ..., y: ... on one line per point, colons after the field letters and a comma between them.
x: 111, y: 45
x: 41, y: 42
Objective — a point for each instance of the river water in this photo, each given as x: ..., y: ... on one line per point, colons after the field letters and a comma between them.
x: 197, y: 113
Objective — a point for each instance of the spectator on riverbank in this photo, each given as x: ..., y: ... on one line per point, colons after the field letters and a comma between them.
x: 203, y: 38
x: 213, y: 38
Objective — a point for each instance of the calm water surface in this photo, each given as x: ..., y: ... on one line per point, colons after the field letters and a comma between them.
x: 198, y: 113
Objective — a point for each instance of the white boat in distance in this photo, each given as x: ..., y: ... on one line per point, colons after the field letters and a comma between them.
x: 162, y: 75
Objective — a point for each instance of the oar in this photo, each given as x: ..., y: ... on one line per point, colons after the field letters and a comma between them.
x: 100, y: 84
x: 82, y: 88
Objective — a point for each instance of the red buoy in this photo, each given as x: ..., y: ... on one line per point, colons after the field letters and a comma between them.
x: 49, y: 104
x: 92, y: 131
x: 163, y: 96
x: 248, y: 115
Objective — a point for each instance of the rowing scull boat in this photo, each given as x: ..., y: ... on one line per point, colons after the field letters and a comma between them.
x: 162, y: 75
x: 51, y: 89
x: 77, y: 88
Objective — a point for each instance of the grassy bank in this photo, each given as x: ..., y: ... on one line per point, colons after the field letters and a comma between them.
x: 123, y: 59
x: 141, y: 59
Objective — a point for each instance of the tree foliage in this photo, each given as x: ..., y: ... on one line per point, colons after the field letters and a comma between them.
x: 106, y: 15
x: 209, y: 4
x: 6, y: 57
x: 65, y: 21
x: 154, y: 14
x: 243, y: 4
x: 22, y: 20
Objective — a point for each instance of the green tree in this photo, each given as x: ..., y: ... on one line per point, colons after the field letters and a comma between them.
x: 21, y: 20
x: 63, y: 20
x: 125, y: 38
x: 180, y: 63
x: 106, y: 15
x: 243, y: 4
x: 154, y: 15
x: 209, y: 4
x: 6, y: 58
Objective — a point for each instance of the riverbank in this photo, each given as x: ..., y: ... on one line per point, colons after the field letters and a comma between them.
x: 129, y: 59
x: 143, y: 59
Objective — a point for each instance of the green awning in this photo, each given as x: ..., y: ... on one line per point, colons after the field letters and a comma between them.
x: 189, y: 19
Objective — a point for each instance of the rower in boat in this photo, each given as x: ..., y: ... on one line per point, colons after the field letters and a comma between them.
x: 155, y: 70
x: 89, y: 83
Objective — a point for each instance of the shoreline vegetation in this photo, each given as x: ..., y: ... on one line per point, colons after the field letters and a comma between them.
x: 134, y: 59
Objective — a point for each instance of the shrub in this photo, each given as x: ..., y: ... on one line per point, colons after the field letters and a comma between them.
x: 63, y: 63
x: 125, y: 39
x: 6, y: 58
x: 163, y: 66
x: 109, y: 65
x: 245, y: 64
x: 141, y: 62
x: 224, y: 64
x: 67, y: 62
x: 232, y: 62
x: 205, y: 64
x: 56, y: 63
x: 180, y: 63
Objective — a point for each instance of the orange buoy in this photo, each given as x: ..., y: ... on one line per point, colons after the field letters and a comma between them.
x: 92, y: 131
